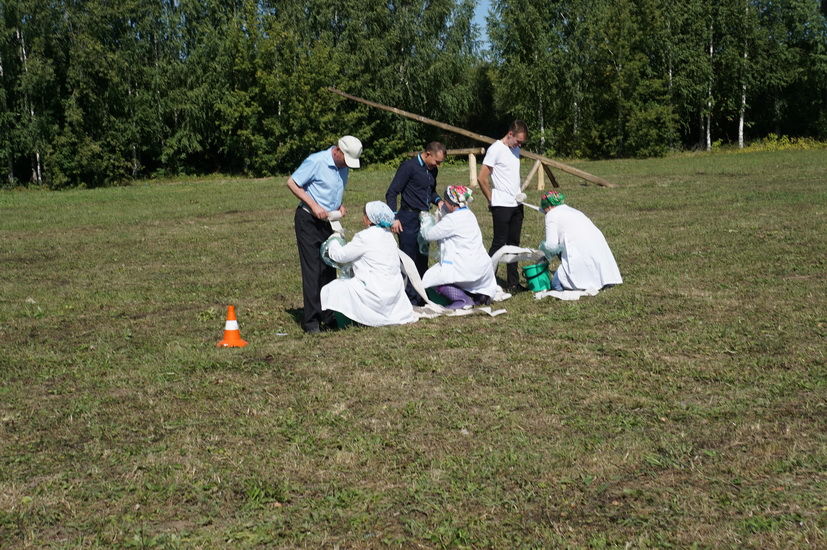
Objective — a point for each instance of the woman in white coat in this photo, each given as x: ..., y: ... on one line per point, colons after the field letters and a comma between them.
x: 464, y: 273
x: 586, y: 262
x: 375, y: 295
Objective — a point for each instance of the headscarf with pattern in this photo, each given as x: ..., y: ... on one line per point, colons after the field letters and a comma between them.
x: 552, y: 198
x: 379, y: 213
x: 459, y: 195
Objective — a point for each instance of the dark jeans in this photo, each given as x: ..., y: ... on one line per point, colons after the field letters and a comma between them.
x: 508, y: 224
x: 311, y: 232
x: 409, y: 244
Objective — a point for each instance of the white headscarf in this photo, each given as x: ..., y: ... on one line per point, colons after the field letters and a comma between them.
x: 379, y: 214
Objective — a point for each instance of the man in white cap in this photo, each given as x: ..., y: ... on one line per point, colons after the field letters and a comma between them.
x: 319, y: 183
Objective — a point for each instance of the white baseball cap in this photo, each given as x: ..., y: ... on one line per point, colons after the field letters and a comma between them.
x: 352, y: 148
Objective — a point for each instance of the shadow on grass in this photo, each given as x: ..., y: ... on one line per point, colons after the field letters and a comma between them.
x: 330, y: 323
x: 297, y: 314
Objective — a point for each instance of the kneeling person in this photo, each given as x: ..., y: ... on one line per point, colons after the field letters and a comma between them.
x: 375, y: 295
x: 464, y: 274
x: 586, y: 262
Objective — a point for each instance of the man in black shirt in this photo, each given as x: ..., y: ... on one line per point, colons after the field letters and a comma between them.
x: 415, y: 180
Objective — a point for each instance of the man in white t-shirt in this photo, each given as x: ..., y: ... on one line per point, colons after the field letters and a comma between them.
x: 499, y: 180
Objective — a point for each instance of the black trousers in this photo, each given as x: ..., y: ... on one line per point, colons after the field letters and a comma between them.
x: 311, y: 232
x: 409, y: 244
x: 508, y: 224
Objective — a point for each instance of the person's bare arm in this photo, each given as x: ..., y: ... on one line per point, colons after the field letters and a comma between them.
x: 484, y: 179
x: 303, y: 196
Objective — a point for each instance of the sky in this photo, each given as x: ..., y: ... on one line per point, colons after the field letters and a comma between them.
x: 479, y: 19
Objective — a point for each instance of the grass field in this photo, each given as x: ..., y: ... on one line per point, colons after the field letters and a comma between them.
x: 686, y: 408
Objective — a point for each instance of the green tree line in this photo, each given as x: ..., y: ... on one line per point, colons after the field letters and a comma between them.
x: 608, y: 78
x: 95, y: 92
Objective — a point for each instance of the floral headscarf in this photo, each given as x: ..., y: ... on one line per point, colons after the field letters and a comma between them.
x: 459, y: 195
x: 552, y: 198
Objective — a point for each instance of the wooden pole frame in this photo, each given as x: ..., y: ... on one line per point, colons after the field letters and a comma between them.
x: 545, y: 161
x: 534, y: 170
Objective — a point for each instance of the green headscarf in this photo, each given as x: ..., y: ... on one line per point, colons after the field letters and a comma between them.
x: 552, y: 198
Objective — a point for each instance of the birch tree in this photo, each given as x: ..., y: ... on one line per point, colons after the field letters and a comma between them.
x: 527, y: 40
x: 7, y: 129
x: 35, y: 33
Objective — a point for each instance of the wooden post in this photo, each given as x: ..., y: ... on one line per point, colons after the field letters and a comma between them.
x: 530, y: 175
x: 551, y: 176
x: 540, y: 180
x: 472, y: 169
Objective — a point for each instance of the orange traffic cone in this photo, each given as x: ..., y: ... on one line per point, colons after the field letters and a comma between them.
x: 232, y: 336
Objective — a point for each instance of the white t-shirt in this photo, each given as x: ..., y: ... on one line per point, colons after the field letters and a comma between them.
x: 505, y: 173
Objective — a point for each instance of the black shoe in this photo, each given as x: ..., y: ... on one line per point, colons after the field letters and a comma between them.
x: 312, y: 329
x: 514, y: 289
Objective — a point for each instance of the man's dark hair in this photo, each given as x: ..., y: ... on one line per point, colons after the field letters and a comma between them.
x: 518, y: 126
x: 435, y: 147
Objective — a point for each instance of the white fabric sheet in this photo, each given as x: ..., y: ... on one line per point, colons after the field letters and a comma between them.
x: 566, y: 295
x: 409, y: 268
x: 426, y: 312
x: 508, y: 254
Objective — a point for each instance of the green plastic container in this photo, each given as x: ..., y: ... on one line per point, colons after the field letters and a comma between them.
x: 536, y: 277
x: 342, y: 321
x: 436, y: 297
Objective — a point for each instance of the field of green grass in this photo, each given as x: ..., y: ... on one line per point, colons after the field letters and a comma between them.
x: 686, y: 408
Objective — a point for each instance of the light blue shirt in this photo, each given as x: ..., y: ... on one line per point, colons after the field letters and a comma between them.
x: 319, y: 176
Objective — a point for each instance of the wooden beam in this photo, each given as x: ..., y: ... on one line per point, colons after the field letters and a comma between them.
x: 530, y: 175
x: 479, y: 137
x: 472, y: 169
x: 548, y: 172
x: 420, y: 118
x: 567, y: 169
x: 468, y: 151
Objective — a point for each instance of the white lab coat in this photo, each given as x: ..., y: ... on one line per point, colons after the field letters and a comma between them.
x: 464, y: 262
x: 375, y: 295
x: 586, y: 262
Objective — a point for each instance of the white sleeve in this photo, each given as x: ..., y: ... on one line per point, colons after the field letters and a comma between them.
x: 348, y: 253
x: 490, y: 158
x: 552, y: 241
x: 446, y: 227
